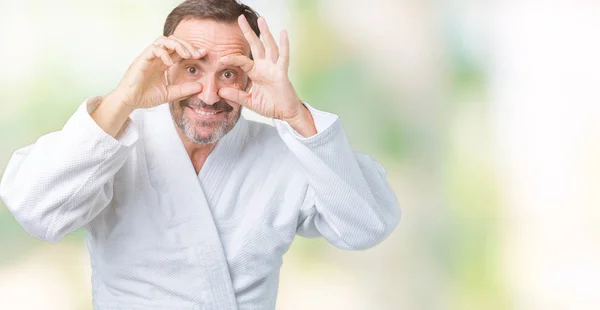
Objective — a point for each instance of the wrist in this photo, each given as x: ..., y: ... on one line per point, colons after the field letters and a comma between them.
x: 112, y: 113
x: 303, y: 122
x: 119, y: 103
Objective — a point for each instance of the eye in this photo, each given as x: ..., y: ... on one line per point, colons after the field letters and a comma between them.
x: 192, y: 70
x: 229, y: 75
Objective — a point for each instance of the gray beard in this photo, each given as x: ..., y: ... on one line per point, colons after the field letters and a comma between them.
x: 187, y: 127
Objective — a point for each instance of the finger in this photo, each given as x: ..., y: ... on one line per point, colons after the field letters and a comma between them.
x: 197, y: 53
x: 157, y: 52
x: 178, y: 92
x: 271, y: 49
x: 172, y: 45
x: 245, y: 63
x: 284, y: 57
x: 235, y: 95
x: 258, y: 50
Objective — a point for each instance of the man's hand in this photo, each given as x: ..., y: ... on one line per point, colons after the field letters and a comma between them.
x: 144, y: 84
x: 271, y: 94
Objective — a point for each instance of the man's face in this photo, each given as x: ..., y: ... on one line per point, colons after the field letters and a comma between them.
x: 204, y: 118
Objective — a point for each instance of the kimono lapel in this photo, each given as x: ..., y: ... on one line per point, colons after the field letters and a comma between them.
x: 172, y: 174
x: 221, y: 162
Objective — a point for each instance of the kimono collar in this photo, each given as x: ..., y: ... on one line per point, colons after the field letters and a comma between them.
x: 219, y: 164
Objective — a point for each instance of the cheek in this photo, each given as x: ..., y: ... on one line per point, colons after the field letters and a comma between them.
x: 239, y: 82
x: 236, y: 109
x: 178, y: 112
x: 236, y: 106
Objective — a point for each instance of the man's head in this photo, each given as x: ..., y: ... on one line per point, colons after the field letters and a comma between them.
x: 211, y: 25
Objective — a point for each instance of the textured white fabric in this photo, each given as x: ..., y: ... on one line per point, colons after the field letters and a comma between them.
x: 162, y: 237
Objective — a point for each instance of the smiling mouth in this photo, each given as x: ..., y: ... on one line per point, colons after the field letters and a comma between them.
x: 204, y: 113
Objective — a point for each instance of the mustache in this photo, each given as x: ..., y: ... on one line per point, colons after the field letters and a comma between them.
x: 197, y: 103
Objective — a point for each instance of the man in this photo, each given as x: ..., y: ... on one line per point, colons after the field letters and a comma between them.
x: 186, y: 205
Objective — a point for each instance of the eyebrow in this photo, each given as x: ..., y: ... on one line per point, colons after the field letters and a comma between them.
x: 204, y: 60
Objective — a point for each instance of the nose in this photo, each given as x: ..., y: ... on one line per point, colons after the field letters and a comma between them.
x: 209, y: 93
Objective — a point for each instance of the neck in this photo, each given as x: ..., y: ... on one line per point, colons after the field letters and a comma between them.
x: 197, y: 152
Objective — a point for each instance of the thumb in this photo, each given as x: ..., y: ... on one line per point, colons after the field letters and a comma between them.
x: 235, y: 95
x: 176, y: 92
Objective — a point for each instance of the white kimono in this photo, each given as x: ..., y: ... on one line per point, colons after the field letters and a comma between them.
x: 162, y: 237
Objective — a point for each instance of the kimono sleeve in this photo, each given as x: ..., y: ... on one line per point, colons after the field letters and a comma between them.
x: 349, y: 201
x: 63, y: 180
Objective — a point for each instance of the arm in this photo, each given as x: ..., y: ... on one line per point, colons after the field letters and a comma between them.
x: 349, y: 201
x: 64, y: 180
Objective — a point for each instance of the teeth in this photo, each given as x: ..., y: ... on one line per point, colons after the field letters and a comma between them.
x: 204, y: 113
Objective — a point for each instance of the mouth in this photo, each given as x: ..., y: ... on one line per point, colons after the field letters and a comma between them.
x: 204, y: 114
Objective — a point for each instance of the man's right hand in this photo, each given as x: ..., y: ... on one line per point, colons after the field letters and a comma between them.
x: 144, y: 84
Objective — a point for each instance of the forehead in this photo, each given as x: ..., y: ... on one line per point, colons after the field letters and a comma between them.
x: 218, y: 38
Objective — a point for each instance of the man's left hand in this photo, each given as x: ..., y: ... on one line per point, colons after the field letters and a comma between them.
x: 271, y: 93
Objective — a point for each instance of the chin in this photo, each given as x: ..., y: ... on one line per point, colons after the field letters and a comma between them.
x: 202, y: 134
x: 205, y: 131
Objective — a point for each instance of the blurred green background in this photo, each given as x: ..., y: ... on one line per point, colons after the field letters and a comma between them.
x: 484, y: 113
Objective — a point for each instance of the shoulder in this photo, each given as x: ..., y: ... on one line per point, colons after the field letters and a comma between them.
x: 265, y: 151
x: 264, y: 136
x: 138, y: 116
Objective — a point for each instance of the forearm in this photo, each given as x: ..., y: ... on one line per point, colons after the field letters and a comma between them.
x: 304, y: 124
x: 353, y: 205
x: 112, y: 114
